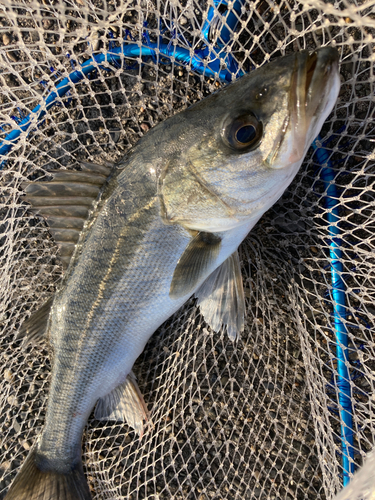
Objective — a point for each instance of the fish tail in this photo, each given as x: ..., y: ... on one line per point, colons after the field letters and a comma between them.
x: 33, y: 483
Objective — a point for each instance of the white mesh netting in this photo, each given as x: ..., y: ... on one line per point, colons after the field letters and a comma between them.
x: 256, y: 419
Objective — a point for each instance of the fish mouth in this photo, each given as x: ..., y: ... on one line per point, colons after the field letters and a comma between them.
x: 313, y: 75
x: 314, y: 88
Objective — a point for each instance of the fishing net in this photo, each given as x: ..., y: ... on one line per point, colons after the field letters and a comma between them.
x: 257, y: 419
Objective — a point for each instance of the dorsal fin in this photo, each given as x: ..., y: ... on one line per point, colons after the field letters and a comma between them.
x: 34, y: 329
x: 65, y: 202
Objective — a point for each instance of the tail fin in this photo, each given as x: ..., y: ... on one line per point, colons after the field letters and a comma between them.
x: 31, y: 483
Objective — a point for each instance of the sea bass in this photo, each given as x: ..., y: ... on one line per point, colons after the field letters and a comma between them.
x: 166, y: 226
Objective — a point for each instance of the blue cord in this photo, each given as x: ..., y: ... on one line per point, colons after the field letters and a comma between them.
x: 338, y: 285
x: 339, y: 311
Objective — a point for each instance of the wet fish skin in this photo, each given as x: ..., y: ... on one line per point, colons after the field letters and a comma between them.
x: 182, y: 180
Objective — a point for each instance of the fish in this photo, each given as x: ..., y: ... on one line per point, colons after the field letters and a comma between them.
x: 140, y: 239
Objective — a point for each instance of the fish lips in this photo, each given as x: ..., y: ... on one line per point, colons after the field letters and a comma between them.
x: 315, y: 85
x: 321, y: 78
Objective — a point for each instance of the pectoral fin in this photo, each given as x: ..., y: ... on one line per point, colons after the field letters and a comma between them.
x: 65, y: 202
x: 125, y: 403
x: 194, y: 263
x: 221, y: 298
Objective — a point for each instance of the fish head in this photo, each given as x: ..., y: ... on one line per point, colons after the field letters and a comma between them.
x: 236, y: 151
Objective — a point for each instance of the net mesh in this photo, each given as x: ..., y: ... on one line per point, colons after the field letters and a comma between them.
x: 255, y: 419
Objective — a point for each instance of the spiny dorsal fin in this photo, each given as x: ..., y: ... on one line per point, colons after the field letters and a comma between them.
x: 65, y: 202
x: 221, y: 298
x: 125, y: 403
x: 194, y: 263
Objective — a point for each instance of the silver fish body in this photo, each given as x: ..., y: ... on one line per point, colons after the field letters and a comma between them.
x: 173, y: 213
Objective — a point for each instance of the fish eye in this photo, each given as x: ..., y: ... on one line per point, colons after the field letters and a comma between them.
x: 244, y: 133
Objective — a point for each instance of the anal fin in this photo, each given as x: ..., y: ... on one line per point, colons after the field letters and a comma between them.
x: 125, y: 403
x: 221, y: 298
